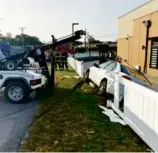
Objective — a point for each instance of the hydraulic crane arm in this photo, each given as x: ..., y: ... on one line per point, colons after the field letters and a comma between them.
x: 63, y: 40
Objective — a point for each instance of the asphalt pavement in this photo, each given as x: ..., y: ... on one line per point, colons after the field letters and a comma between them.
x: 14, y: 122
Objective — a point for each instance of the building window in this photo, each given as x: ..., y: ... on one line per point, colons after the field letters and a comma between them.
x: 154, y: 55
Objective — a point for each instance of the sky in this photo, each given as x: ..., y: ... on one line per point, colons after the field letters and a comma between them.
x: 42, y: 18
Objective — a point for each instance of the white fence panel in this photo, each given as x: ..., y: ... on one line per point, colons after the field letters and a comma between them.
x: 79, y: 66
x: 76, y: 65
x: 86, y: 54
x: 141, y: 111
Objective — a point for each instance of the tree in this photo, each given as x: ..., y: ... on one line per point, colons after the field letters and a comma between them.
x: 28, y: 40
x: 17, y: 40
x: 92, y: 40
x: 8, y: 35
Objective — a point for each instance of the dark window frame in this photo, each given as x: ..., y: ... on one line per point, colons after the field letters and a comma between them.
x: 151, y: 53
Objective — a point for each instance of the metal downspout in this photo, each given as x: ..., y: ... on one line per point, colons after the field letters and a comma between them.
x: 147, y: 25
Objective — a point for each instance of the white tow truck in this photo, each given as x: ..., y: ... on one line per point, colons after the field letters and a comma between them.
x: 19, y: 84
x: 27, y: 71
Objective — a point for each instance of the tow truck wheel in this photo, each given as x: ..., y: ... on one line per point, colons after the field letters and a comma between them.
x: 10, y: 65
x: 16, y: 92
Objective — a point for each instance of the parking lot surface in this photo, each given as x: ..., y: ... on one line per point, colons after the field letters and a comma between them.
x: 14, y: 122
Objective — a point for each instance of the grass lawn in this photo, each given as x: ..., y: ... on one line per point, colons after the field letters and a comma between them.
x: 74, y: 122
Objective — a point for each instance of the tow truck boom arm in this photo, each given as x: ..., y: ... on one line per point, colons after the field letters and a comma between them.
x: 63, y: 40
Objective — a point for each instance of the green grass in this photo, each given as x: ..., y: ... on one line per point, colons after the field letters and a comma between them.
x: 74, y: 122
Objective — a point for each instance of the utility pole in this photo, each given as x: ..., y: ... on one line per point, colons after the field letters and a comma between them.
x: 22, y: 39
x: 52, y: 81
x: 85, y: 40
x: 73, y: 24
x: 0, y: 30
x: 89, y: 46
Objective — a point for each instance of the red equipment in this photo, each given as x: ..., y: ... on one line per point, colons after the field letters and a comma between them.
x: 65, y: 49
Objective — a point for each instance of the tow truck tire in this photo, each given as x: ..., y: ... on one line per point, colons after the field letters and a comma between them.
x: 10, y: 65
x: 16, y: 92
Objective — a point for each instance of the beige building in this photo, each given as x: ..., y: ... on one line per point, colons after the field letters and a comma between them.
x: 138, y: 37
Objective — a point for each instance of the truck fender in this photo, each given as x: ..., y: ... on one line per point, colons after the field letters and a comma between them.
x: 15, y: 79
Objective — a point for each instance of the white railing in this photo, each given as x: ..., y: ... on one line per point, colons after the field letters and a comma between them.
x: 79, y: 66
x: 76, y: 65
x: 140, y: 110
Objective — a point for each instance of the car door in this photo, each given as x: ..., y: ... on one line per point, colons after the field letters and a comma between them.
x: 95, y: 71
x: 92, y: 74
x: 106, y: 72
x: 112, y: 69
x: 100, y: 72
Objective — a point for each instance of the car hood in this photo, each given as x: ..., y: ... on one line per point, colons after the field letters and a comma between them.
x: 36, y: 75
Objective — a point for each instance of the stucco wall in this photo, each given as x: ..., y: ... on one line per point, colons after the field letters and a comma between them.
x: 130, y: 48
x: 125, y: 23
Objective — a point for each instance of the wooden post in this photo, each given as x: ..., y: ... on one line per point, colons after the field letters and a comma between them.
x: 52, y: 63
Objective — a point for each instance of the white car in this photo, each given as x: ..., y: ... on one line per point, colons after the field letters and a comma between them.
x: 104, y: 76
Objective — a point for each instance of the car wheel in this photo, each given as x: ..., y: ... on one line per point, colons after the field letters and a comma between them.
x: 10, y: 65
x: 102, y: 88
x: 16, y: 92
x: 86, y: 77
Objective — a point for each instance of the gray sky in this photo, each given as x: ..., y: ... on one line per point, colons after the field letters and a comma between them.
x: 45, y: 17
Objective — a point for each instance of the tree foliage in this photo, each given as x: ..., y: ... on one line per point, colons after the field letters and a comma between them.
x: 92, y: 40
x: 17, y: 40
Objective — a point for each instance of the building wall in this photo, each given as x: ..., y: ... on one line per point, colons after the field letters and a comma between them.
x: 133, y: 37
x: 125, y: 23
x: 139, y: 40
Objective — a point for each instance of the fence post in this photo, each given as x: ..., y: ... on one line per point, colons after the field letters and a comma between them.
x: 82, y: 69
x: 116, y: 92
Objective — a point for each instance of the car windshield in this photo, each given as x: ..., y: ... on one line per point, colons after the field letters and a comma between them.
x: 109, y: 66
x: 103, y: 65
x: 134, y: 72
x: 124, y: 69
